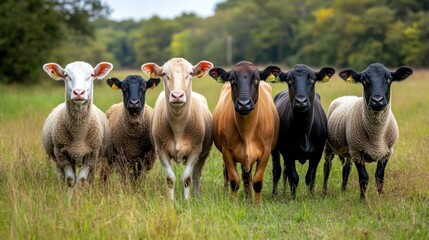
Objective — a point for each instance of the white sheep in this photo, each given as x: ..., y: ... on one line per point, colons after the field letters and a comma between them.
x: 363, y: 129
x: 130, y: 125
x: 76, y: 132
x: 182, y: 123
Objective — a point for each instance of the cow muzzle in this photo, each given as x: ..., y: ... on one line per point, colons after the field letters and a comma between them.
x: 301, y: 104
x: 244, y: 107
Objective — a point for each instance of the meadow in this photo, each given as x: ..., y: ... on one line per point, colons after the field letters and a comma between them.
x: 35, y: 205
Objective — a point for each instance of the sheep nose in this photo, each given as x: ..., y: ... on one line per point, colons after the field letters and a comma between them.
x: 78, y: 92
x: 377, y: 100
x: 134, y: 103
x: 177, y: 94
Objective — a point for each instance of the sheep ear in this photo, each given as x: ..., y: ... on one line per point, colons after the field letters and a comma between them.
x: 325, y: 74
x: 114, y: 83
x: 152, y: 82
x: 54, y: 70
x: 350, y: 75
x: 402, y: 73
x: 218, y: 74
x: 201, y: 68
x: 270, y: 74
x: 152, y: 69
x: 102, y: 69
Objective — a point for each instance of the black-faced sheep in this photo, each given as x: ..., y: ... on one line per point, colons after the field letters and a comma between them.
x: 76, y: 132
x: 130, y: 125
x: 364, y: 129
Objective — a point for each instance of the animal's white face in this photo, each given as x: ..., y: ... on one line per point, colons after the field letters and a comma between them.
x: 78, y: 77
x: 177, y: 75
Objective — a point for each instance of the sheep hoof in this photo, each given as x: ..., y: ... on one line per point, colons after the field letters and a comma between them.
x: 70, y: 181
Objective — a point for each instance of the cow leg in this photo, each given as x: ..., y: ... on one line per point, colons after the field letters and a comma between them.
x: 171, y: 178
x: 247, y: 178
x: 285, y: 174
x: 310, y: 177
x: 231, y: 168
x: 346, y: 172
x: 329, y: 155
x: 259, y: 176
x: 363, y: 179
x: 225, y: 177
x: 277, y: 170
x: 292, y: 175
x: 379, y: 175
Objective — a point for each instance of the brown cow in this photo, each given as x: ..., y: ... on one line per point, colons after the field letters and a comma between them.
x: 246, y: 124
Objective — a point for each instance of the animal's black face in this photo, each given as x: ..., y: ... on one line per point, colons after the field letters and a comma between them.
x: 376, y: 80
x: 376, y: 83
x: 244, y: 79
x: 134, y: 93
x: 301, y: 80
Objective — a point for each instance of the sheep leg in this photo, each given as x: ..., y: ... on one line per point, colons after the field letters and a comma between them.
x: 363, y: 179
x: 82, y: 178
x: 346, y: 173
x: 187, y: 174
x: 329, y: 155
x: 196, y: 175
x: 292, y: 175
x: 247, y: 178
x: 70, y: 177
x: 277, y: 170
x: 171, y: 178
x: 379, y: 175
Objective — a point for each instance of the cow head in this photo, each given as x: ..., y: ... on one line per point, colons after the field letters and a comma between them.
x: 78, y: 77
x: 177, y: 75
x: 244, y: 78
x: 376, y: 80
x: 133, y: 90
x: 301, y: 80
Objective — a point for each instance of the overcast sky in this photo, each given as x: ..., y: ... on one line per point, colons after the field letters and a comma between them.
x: 138, y: 9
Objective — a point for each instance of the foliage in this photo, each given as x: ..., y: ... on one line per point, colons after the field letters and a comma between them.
x: 351, y: 33
x: 33, y: 29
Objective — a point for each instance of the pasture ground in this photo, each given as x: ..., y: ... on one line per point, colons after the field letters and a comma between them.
x: 34, y: 205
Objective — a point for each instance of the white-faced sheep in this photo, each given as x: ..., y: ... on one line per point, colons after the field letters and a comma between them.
x: 363, y: 129
x: 76, y: 132
x: 182, y: 123
x: 130, y: 125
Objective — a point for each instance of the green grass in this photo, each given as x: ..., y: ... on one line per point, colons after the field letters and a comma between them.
x: 34, y: 205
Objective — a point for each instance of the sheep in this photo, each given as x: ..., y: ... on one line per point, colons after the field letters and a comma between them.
x: 363, y: 129
x: 130, y: 125
x: 182, y: 122
x: 76, y: 132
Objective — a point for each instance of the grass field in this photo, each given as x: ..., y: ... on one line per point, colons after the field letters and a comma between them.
x: 34, y: 205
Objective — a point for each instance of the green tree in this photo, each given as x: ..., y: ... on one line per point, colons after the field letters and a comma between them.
x: 32, y: 29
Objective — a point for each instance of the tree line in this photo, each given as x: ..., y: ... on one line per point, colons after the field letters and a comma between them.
x: 352, y: 33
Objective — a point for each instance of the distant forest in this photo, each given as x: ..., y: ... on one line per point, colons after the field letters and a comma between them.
x: 352, y: 33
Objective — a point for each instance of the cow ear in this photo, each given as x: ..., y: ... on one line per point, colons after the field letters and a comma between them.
x: 152, y: 82
x: 219, y: 74
x: 402, y: 73
x: 54, y: 70
x: 201, y: 68
x: 152, y: 69
x: 325, y: 74
x: 102, y: 69
x: 270, y: 74
x: 350, y: 75
x: 114, y: 83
